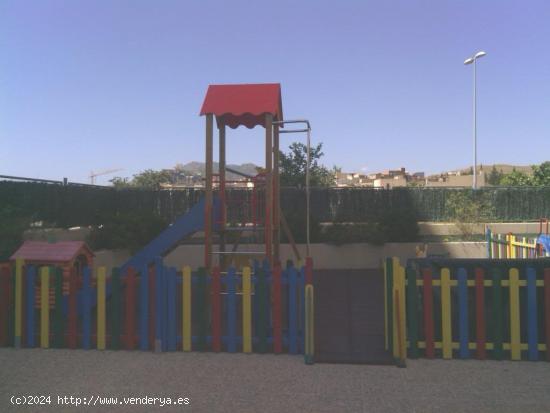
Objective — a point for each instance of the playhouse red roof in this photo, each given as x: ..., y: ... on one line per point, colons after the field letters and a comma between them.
x: 243, y: 104
x: 47, y: 251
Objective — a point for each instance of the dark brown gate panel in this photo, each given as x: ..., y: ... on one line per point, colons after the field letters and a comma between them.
x: 349, y: 317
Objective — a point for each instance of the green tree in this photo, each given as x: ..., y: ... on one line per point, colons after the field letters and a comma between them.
x: 516, y: 178
x: 148, y: 179
x: 467, y: 209
x: 293, y: 167
x: 151, y: 179
x: 119, y: 182
x: 541, y: 174
x: 494, y: 177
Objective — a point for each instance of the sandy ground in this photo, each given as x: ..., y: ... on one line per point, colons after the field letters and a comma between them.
x: 268, y: 383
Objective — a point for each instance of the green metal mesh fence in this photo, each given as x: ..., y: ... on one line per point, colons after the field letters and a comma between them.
x: 70, y: 205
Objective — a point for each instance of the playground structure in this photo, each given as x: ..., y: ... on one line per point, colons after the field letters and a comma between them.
x: 224, y: 215
x: 502, y: 246
x: 248, y: 105
x: 482, y: 308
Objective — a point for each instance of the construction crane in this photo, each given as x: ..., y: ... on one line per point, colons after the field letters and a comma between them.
x: 93, y: 174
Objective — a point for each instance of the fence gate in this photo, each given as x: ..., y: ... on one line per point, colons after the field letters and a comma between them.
x: 349, y: 317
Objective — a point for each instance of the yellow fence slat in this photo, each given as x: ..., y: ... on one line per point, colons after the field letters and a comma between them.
x: 515, y: 339
x: 385, y: 306
x: 446, y: 331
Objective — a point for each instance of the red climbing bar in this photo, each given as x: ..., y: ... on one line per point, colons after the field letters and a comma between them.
x: 277, y: 309
x: 547, y: 310
x: 130, y: 316
x: 216, y: 310
x: 72, y: 313
x: 428, y: 312
x: 480, y: 314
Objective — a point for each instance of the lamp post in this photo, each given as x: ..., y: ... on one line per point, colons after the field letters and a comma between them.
x: 468, y: 61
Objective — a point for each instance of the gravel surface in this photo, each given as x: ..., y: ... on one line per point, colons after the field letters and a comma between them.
x: 269, y: 383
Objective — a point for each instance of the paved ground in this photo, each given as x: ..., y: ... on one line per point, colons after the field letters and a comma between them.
x: 269, y: 383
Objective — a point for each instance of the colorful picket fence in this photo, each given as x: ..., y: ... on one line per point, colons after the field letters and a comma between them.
x: 468, y: 308
x: 158, y: 308
x: 502, y: 246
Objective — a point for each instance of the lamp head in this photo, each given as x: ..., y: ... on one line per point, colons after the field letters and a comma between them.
x: 469, y: 61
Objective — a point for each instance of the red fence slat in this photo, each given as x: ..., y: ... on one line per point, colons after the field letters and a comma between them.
x: 130, y: 310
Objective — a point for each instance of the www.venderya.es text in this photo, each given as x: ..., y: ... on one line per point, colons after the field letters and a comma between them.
x: 97, y: 400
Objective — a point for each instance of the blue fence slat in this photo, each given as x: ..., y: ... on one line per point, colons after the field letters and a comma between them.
x: 31, y: 273
x: 292, y: 311
x: 144, y: 309
x: 464, y: 352
x: 164, y: 306
x: 158, y: 304
x: 532, y: 333
x: 86, y: 309
x: 231, y: 311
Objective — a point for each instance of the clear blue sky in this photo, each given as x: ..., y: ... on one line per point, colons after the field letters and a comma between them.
x: 91, y: 85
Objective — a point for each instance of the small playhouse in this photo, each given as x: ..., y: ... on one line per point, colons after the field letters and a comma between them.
x: 67, y: 255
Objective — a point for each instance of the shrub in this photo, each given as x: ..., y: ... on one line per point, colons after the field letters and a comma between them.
x: 132, y: 230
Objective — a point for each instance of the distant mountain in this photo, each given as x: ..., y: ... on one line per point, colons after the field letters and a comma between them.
x: 198, y: 168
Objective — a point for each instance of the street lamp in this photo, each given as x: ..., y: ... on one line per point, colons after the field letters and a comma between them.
x: 468, y: 61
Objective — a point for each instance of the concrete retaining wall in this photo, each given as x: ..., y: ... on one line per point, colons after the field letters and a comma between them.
x: 325, y: 256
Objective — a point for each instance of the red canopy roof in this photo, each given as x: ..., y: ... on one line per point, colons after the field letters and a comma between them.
x: 46, y: 251
x: 244, y: 104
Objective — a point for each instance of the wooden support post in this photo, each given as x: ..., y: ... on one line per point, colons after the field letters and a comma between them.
x: 269, y: 188
x: 276, y: 195
x: 208, y: 195
x: 223, y: 204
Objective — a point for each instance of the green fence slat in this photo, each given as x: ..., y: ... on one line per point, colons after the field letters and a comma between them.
x: 412, y: 312
x: 11, y: 315
x: 58, y: 319
x: 497, y: 313
x: 115, y: 309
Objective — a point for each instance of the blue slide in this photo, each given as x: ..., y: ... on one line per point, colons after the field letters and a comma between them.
x: 544, y: 240
x: 184, y: 226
